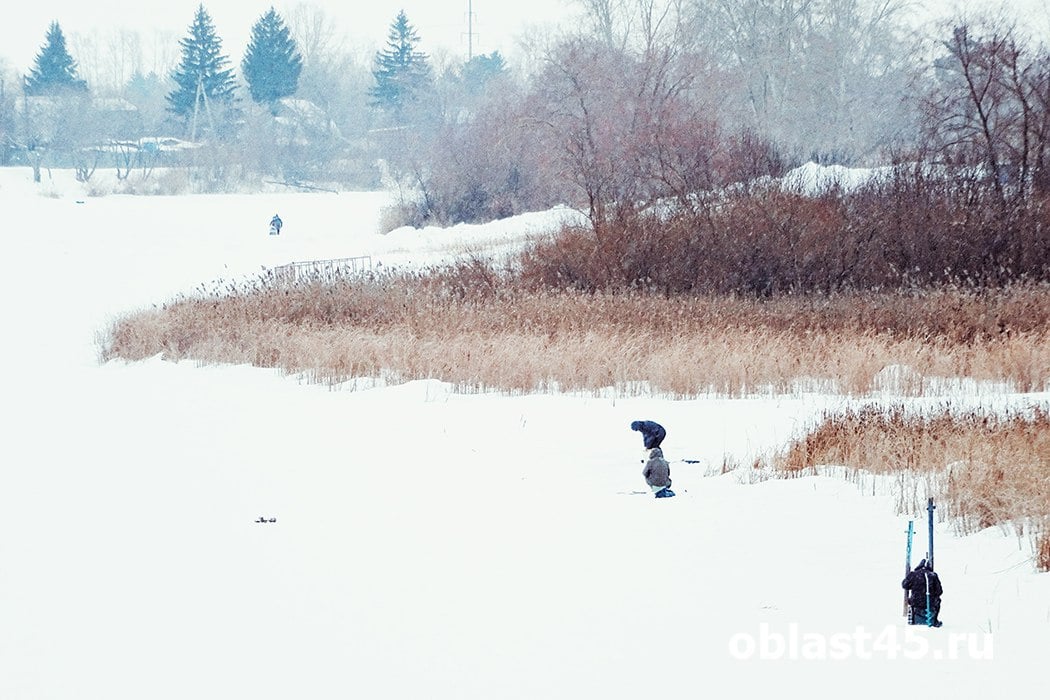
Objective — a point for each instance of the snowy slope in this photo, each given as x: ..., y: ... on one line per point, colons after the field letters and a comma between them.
x: 427, y: 544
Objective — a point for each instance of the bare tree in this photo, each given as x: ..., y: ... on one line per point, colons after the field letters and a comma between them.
x: 990, y: 107
x: 610, y: 21
x: 612, y: 114
x: 160, y: 52
x: 636, y: 25
x: 8, y: 116
x: 816, y: 75
x: 60, y: 128
x: 336, y: 75
x: 124, y: 48
x: 107, y: 60
x: 763, y: 39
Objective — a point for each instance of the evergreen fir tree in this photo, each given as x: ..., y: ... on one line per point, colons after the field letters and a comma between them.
x: 272, y: 63
x: 54, y: 69
x: 478, y: 71
x: 402, y: 73
x: 203, y: 79
x: 148, y: 92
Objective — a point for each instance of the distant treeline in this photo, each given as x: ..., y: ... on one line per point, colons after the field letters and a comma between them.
x: 675, y: 107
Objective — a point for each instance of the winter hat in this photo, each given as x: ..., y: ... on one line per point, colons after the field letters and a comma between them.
x: 920, y: 565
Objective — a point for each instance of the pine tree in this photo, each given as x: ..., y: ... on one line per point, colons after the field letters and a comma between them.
x: 149, y: 95
x: 402, y: 73
x: 272, y: 63
x: 203, y: 79
x: 478, y: 71
x: 54, y: 70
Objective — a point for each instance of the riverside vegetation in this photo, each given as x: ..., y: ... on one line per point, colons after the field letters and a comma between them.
x: 684, y: 305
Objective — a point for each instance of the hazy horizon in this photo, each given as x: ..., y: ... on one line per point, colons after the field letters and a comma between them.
x: 442, y: 25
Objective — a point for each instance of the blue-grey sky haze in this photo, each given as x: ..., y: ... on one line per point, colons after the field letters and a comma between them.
x: 442, y: 24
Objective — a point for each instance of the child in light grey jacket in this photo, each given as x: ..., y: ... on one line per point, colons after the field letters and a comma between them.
x: 657, y: 473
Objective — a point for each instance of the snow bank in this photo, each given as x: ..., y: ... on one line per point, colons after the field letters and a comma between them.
x: 425, y: 543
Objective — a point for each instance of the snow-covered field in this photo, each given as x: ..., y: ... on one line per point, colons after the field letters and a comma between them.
x: 426, y: 544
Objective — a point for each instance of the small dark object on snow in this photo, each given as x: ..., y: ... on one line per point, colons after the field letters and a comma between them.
x: 266, y: 520
x: 275, y: 225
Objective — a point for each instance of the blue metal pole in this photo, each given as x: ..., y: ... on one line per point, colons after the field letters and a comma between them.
x: 929, y: 563
x: 929, y: 509
x: 907, y: 562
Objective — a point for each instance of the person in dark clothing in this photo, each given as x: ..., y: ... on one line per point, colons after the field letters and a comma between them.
x: 923, y: 585
x: 652, y: 433
x: 275, y: 225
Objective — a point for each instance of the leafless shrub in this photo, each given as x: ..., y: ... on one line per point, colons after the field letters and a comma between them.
x: 402, y: 213
x: 910, y: 230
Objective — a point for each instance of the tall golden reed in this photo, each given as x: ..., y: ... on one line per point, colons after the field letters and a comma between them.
x: 476, y: 329
x: 994, y: 469
x: 506, y: 337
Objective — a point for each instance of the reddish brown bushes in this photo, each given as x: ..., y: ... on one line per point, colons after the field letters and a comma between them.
x: 906, y: 231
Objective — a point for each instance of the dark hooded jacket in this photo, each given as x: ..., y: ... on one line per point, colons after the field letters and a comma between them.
x: 918, y: 582
x: 657, y: 471
x: 652, y: 433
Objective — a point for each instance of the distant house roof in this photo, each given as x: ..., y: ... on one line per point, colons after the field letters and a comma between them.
x: 113, y: 104
x: 168, y: 143
x: 44, y: 103
x: 151, y: 144
x: 304, y: 118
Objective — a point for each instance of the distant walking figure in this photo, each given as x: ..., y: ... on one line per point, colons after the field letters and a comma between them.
x: 652, y: 433
x: 275, y: 225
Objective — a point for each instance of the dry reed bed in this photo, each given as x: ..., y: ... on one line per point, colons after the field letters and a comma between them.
x: 989, y: 469
x: 470, y: 329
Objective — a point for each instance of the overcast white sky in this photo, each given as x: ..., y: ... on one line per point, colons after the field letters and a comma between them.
x: 442, y: 24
